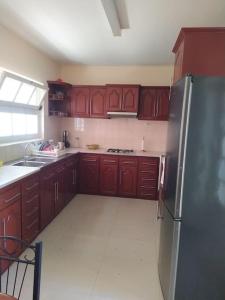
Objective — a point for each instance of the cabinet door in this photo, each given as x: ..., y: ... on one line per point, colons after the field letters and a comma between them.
x: 108, y: 175
x: 97, y: 102
x: 60, y: 198
x: 178, y: 65
x: 128, y: 181
x: 162, y: 104
x: 80, y: 102
x: 47, y: 198
x: 147, y: 110
x: 12, y: 224
x: 89, y: 174
x: 130, y: 99
x: 114, y: 97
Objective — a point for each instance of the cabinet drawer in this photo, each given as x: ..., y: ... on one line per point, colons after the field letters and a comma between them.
x: 147, y: 193
x: 30, y: 201
x: 146, y: 164
x: 30, y: 230
x: 109, y: 159
x: 9, y: 195
x: 30, y: 183
x: 47, y: 173
x: 147, y: 182
x: 128, y: 161
x: 91, y: 158
x: 149, y: 173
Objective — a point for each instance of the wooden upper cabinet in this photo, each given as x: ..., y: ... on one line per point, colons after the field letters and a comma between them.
x: 97, y: 102
x: 122, y: 98
x: 114, y: 96
x: 154, y: 103
x: 130, y: 99
x: 80, y: 102
x: 200, y: 51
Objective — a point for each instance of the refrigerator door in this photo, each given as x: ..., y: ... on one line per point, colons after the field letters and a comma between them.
x: 176, y: 141
x: 201, y: 263
x: 168, y: 253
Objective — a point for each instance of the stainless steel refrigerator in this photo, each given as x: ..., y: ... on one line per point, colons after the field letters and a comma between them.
x: 192, y: 211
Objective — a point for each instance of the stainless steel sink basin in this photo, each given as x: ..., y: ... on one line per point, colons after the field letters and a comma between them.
x: 29, y: 164
x: 41, y: 159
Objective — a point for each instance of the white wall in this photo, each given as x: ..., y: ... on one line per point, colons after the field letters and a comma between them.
x: 20, y: 57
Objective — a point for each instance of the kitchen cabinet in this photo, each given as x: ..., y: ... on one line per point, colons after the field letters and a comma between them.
x: 97, y: 102
x: 80, y: 100
x: 89, y: 174
x: 47, y: 196
x: 154, y: 103
x: 127, y: 176
x: 109, y: 175
x: 71, y: 178
x: 122, y: 98
x: 30, y: 207
x: 199, y: 51
x: 10, y: 219
x: 148, y: 173
x: 59, y: 182
x: 59, y: 98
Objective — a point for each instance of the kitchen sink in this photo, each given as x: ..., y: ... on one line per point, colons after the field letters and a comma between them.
x: 40, y: 159
x: 29, y: 164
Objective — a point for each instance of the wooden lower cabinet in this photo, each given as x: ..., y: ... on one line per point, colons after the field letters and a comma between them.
x: 30, y: 207
x: 128, y: 177
x: 10, y: 219
x: 148, y: 173
x: 89, y: 174
x: 47, y: 197
x: 108, y: 175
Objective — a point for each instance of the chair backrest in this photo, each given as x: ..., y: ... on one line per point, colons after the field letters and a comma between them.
x: 13, y: 269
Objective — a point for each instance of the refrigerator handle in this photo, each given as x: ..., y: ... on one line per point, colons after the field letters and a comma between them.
x: 159, y: 215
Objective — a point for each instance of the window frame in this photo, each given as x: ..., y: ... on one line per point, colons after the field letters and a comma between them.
x: 22, y: 108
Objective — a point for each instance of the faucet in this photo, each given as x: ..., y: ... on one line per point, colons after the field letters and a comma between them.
x: 27, y: 147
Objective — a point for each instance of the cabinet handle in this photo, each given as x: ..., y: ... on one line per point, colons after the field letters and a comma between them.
x: 4, y: 233
x: 12, y: 198
x: 109, y: 161
x: 89, y: 160
x: 32, y: 199
x: 55, y: 192
x: 57, y: 185
x: 30, y: 225
x: 32, y: 186
x: 120, y: 178
x: 32, y: 212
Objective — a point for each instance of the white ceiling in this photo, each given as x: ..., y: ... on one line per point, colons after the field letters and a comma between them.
x: 77, y: 31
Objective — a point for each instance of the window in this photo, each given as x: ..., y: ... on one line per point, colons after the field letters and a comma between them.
x: 20, y: 100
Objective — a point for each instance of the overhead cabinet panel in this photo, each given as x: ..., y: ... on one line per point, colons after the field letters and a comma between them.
x: 80, y: 102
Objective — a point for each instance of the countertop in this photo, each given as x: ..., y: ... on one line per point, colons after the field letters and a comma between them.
x: 11, y: 174
x: 104, y: 151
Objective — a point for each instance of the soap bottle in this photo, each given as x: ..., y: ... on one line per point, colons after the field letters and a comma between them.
x: 143, y: 144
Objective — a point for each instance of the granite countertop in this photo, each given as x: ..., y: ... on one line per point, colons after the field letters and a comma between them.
x: 11, y: 174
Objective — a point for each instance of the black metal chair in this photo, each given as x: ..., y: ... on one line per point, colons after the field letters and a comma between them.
x: 13, y: 269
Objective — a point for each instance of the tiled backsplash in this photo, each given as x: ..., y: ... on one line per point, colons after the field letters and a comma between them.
x: 118, y: 132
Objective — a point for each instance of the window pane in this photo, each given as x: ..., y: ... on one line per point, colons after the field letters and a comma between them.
x: 32, y: 124
x: 9, y: 89
x: 24, y: 93
x: 19, y: 124
x: 5, y: 124
x: 37, y: 96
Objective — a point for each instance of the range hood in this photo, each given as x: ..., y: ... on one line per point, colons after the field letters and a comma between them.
x: 121, y: 114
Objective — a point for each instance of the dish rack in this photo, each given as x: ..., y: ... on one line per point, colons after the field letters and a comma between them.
x: 55, y: 153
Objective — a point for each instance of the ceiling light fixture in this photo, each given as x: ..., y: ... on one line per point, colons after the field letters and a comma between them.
x: 112, y: 16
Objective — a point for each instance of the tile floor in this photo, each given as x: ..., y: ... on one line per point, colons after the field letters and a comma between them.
x: 101, y: 248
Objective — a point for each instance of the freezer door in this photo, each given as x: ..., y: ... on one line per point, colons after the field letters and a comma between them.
x: 168, y: 253
x: 177, y: 131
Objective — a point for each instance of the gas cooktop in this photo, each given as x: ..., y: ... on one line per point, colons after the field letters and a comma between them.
x: 116, y: 150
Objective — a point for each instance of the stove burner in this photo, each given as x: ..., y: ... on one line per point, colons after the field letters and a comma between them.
x: 113, y: 150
